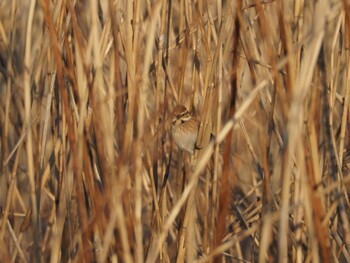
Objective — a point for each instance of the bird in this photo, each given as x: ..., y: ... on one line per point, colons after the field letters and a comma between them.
x: 184, y: 129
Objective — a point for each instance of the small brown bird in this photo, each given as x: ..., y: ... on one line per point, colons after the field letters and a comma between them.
x: 184, y: 129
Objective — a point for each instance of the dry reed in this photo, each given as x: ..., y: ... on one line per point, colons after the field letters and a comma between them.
x: 89, y: 171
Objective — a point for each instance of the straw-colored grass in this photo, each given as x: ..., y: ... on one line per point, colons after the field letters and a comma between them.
x: 89, y: 172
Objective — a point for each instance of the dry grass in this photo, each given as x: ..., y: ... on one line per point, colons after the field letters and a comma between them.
x: 88, y: 169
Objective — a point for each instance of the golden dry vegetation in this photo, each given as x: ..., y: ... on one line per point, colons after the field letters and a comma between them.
x: 89, y: 172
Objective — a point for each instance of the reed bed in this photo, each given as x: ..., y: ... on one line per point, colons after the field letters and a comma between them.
x: 89, y: 171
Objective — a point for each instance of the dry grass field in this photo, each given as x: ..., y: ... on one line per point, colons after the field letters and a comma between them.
x: 89, y: 169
